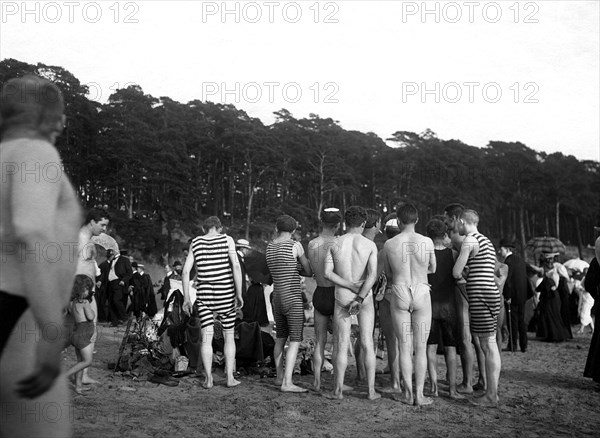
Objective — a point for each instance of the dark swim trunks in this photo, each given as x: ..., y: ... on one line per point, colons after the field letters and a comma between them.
x: 11, y: 309
x: 324, y: 300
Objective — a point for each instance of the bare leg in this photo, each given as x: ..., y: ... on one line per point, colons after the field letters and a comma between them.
x: 361, y: 371
x: 401, y: 321
x: 450, y: 356
x: 482, y: 380
x: 320, y: 341
x: 206, y: 352
x: 87, y: 380
x: 466, y: 351
x: 432, y: 367
x: 493, y: 364
x: 421, y: 323
x: 341, y: 340
x: 230, y: 357
x: 85, y: 360
x: 290, y: 362
x: 278, y: 354
x: 385, y: 319
x: 366, y: 321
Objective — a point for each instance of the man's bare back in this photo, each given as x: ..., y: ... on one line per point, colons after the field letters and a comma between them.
x: 350, y: 256
x: 410, y: 256
x: 317, y: 253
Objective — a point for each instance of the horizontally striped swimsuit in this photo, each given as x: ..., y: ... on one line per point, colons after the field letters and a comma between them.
x: 215, y: 289
x: 288, y: 309
x: 484, y: 297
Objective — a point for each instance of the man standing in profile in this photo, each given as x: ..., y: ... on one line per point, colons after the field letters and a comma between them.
x: 118, y: 282
x: 515, y: 294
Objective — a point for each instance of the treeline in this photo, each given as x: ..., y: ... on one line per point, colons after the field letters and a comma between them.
x: 162, y: 166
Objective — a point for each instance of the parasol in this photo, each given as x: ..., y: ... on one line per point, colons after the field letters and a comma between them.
x: 576, y: 265
x: 106, y: 242
x: 546, y: 245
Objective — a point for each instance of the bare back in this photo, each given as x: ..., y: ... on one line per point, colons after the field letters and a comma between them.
x: 351, y: 255
x: 410, y: 257
x: 317, y: 253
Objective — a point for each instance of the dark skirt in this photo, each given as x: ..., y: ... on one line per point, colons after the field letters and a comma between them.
x: 550, y: 326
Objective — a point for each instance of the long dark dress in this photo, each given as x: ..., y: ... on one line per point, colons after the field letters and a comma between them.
x: 592, y: 285
x: 563, y: 293
x: 550, y: 325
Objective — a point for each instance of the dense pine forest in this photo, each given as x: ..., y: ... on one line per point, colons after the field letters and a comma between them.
x: 162, y: 166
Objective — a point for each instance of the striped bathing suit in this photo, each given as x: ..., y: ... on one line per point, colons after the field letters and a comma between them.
x: 215, y: 289
x: 288, y: 308
x: 484, y: 297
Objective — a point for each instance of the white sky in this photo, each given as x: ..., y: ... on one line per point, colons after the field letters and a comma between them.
x: 373, y: 62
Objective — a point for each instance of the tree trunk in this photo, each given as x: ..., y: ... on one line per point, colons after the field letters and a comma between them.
x: 557, y: 218
x: 522, y: 225
x: 579, y: 239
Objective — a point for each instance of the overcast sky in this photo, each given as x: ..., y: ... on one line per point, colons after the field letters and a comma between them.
x: 475, y: 71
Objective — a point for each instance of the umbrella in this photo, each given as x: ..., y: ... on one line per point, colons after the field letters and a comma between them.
x: 106, y: 242
x: 546, y: 245
x: 576, y: 265
x: 256, y: 267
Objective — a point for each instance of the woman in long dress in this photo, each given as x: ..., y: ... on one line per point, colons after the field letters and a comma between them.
x: 550, y: 324
x: 592, y: 285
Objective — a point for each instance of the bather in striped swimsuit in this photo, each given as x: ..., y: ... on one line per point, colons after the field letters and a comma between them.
x: 288, y: 308
x: 215, y: 289
x: 484, y: 297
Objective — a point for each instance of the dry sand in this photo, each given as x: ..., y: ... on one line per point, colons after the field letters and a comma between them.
x: 542, y: 392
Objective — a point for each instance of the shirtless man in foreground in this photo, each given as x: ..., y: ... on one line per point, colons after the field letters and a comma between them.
x: 410, y: 257
x: 351, y: 264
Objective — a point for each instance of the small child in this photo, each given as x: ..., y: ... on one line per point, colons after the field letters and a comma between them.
x: 586, y: 302
x: 83, y: 314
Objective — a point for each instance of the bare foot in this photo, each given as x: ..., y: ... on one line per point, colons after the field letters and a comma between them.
x: 292, y: 388
x: 208, y: 383
x: 404, y: 398
x: 425, y: 401
x: 485, y: 402
x: 347, y: 388
x: 434, y: 389
x: 231, y: 383
x: 81, y: 390
x: 89, y: 381
x: 333, y: 396
x: 372, y: 395
x: 278, y: 382
x: 464, y: 389
x: 454, y: 395
x: 390, y: 390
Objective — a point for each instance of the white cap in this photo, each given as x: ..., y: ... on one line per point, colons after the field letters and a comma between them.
x: 242, y: 243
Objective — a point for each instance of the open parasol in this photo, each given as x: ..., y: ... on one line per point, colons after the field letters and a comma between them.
x: 106, y: 242
x: 545, y: 245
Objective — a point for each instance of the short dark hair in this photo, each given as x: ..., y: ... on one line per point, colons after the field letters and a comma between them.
x: 331, y: 217
x: 96, y: 215
x: 33, y: 102
x: 454, y: 210
x: 286, y: 223
x: 372, y: 217
x: 436, y: 229
x: 407, y: 214
x: 81, y: 283
x: 355, y: 216
x: 211, y: 222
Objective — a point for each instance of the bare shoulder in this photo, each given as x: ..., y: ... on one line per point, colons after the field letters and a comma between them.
x: 315, y: 243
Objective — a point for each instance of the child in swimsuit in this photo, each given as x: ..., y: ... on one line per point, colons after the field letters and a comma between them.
x: 81, y: 335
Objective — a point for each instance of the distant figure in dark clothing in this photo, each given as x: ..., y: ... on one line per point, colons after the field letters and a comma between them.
x: 592, y: 285
x: 515, y: 294
x: 550, y: 324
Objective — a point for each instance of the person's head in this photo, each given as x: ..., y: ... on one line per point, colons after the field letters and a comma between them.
x: 34, y: 104
x: 373, y: 219
x: 82, y: 287
x: 355, y: 217
x: 506, y: 247
x: 141, y: 268
x: 178, y: 267
x: 407, y: 215
x: 547, y: 259
x: 469, y: 219
x: 134, y: 266
x: 243, y: 246
x: 212, y: 223
x: 453, y: 212
x: 331, y: 218
x: 286, y: 224
x: 97, y: 220
x: 437, y: 231
x: 110, y: 254
x: 391, y: 227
